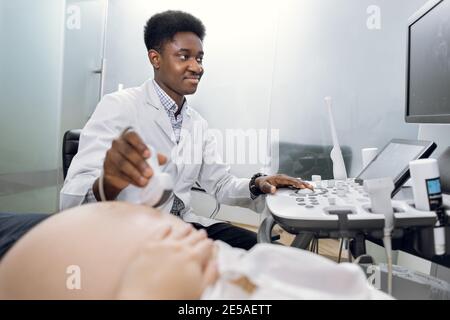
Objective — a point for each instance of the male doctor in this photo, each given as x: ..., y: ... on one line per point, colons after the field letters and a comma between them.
x: 161, y: 117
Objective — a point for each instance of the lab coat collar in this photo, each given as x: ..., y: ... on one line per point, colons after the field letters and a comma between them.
x: 153, y: 98
x: 162, y: 120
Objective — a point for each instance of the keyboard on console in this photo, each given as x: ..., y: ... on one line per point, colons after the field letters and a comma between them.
x: 337, y: 205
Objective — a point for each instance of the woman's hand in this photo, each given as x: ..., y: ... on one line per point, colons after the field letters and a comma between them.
x: 172, y: 265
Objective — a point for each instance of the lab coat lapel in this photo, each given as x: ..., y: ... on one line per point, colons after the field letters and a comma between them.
x: 183, y: 146
x: 186, y: 129
x: 161, y: 119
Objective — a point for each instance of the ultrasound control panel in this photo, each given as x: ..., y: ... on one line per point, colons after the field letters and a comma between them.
x: 337, y: 205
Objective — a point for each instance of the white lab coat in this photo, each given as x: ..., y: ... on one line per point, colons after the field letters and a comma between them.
x: 141, y: 108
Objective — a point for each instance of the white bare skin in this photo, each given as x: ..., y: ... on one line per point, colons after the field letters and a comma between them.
x: 124, y: 251
x: 181, y: 267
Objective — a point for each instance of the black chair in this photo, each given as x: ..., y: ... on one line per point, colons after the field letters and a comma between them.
x: 69, y: 148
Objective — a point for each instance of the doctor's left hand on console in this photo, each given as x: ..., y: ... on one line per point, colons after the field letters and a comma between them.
x: 269, y: 184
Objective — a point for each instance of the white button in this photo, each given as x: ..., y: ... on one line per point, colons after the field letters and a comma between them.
x: 305, y: 191
x: 316, y: 177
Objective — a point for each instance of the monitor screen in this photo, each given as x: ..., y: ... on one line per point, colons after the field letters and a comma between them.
x: 393, y: 160
x: 428, y: 67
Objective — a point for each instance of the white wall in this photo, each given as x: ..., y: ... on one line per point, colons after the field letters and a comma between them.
x: 325, y: 48
x: 83, y: 52
x: 31, y: 55
x: 48, y: 52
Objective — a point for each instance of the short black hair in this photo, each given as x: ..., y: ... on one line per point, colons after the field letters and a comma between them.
x: 163, y: 26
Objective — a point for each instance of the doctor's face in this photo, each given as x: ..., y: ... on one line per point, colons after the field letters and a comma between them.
x: 178, y: 67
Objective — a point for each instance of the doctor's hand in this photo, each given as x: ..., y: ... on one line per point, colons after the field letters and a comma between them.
x: 125, y: 163
x: 269, y: 184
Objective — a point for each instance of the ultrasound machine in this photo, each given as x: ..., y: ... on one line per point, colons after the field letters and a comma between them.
x: 342, y: 208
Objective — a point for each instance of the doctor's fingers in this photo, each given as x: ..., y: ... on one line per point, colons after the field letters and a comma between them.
x: 124, y: 169
x: 267, y: 187
x: 285, y: 181
x: 132, y: 155
x: 135, y: 140
x: 117, y: 181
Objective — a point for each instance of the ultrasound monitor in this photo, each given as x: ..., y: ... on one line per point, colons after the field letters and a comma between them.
x: 428, y: 64
x: 393, y: 161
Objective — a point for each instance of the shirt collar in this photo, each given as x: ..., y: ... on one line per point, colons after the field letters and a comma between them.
x: 167, y: 102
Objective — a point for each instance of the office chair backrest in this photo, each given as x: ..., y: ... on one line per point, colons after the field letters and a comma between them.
x: 69, y: 148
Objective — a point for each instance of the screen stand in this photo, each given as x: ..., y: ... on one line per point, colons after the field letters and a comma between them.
x: 439, y: 133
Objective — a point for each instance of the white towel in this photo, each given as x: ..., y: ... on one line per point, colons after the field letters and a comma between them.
x: 270, y: 271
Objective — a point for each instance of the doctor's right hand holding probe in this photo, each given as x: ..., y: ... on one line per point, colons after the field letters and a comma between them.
x: 125, y: 164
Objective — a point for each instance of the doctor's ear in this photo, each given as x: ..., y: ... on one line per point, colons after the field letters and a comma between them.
x: 154, y: 58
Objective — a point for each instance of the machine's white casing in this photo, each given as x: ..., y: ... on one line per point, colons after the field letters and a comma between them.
x: 318, y: 211
x: 380, y: 191
x: 421, y: 170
